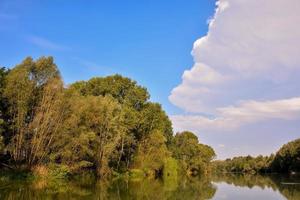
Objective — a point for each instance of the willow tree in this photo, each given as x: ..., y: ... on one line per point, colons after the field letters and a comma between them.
x: 89, y: 134
x: 33, y: 90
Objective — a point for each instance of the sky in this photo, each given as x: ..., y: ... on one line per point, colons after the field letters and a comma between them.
x: 228, y: 70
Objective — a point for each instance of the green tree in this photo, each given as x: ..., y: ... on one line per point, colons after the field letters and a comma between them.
x: 152, y: 153
x: 90, y: 133
x: 151, y: 118
x: 105, y: 124
x: 32, y: 89
x: 141, y: 117
x: 287, y: 158
x: 123, y: 89
x: 194, y: 157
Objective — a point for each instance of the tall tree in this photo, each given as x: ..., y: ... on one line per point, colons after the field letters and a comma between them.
x: 31, y: 87
x: 90, y: 133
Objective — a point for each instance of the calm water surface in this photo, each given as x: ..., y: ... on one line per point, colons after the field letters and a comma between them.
x: 230, y: 186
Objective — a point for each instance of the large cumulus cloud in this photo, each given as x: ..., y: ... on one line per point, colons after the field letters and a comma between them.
x: 247, y: 67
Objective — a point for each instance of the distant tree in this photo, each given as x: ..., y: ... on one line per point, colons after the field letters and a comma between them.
x: 287, y: 158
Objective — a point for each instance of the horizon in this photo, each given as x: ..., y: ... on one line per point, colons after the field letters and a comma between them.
x: 219, y: 69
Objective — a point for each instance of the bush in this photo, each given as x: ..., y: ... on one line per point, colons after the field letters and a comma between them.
x: 170, y: 168
x: 59, y: 171
x: 136, y: 173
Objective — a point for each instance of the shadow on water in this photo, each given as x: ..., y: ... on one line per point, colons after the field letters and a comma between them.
x: 181, y: 188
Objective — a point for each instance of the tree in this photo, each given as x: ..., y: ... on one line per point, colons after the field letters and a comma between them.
x: 105, y: 124
x: 141, y: 117
x: 194, y: 157
x: 287, y: 158
x: 152, y: 117
x: 90, y: 133
x: 123, y: 89
x: 152, y: 153
x: 32, y: 89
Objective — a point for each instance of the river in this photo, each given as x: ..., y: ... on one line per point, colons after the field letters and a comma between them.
x: 225, y: 186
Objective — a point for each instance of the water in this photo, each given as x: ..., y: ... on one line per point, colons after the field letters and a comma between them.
x: 246, y: 187
x: 230, y: 186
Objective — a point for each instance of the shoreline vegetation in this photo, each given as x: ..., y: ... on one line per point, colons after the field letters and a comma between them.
x: 285, y: 161
x: 106, y: 126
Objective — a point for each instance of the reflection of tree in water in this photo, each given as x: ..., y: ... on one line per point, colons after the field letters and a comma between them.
x: 86, y: 188
x: 290, y: 191
x: 41, y: 189
x: 181, y: 188
x: 245, y: 180
x: 194, y: 188
x: 273, y: 181
x: 158, y: 189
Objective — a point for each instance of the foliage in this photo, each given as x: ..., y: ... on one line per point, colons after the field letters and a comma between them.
x: 242, y: 164
x: 151, y: 154
x: 136, y: 173
x: 1, y: 144
x: 170, y: 168
x: 193, y: 156
x: 106, y: 125
x: 59, y: 171
x: 140, y: 117
x: 34, y: 111
x: 287, y: 159
x: 89, y: 134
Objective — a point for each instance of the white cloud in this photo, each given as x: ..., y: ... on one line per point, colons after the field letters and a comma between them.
x: 233, y: 117
x: 202, y: 74
x: 246, y: 69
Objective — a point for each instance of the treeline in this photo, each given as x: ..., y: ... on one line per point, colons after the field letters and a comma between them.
x: 286, y: 160
x: 106, y: 125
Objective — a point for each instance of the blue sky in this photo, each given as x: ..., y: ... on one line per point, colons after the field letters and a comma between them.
x: 149, y: 41
x: 227, y: 70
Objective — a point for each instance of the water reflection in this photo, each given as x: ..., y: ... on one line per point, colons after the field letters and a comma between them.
x: 257, y: 186
x: 229, y: 186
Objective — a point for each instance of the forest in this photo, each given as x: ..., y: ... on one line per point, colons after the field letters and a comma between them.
x: 106, y: 125
x: 286, y: 160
